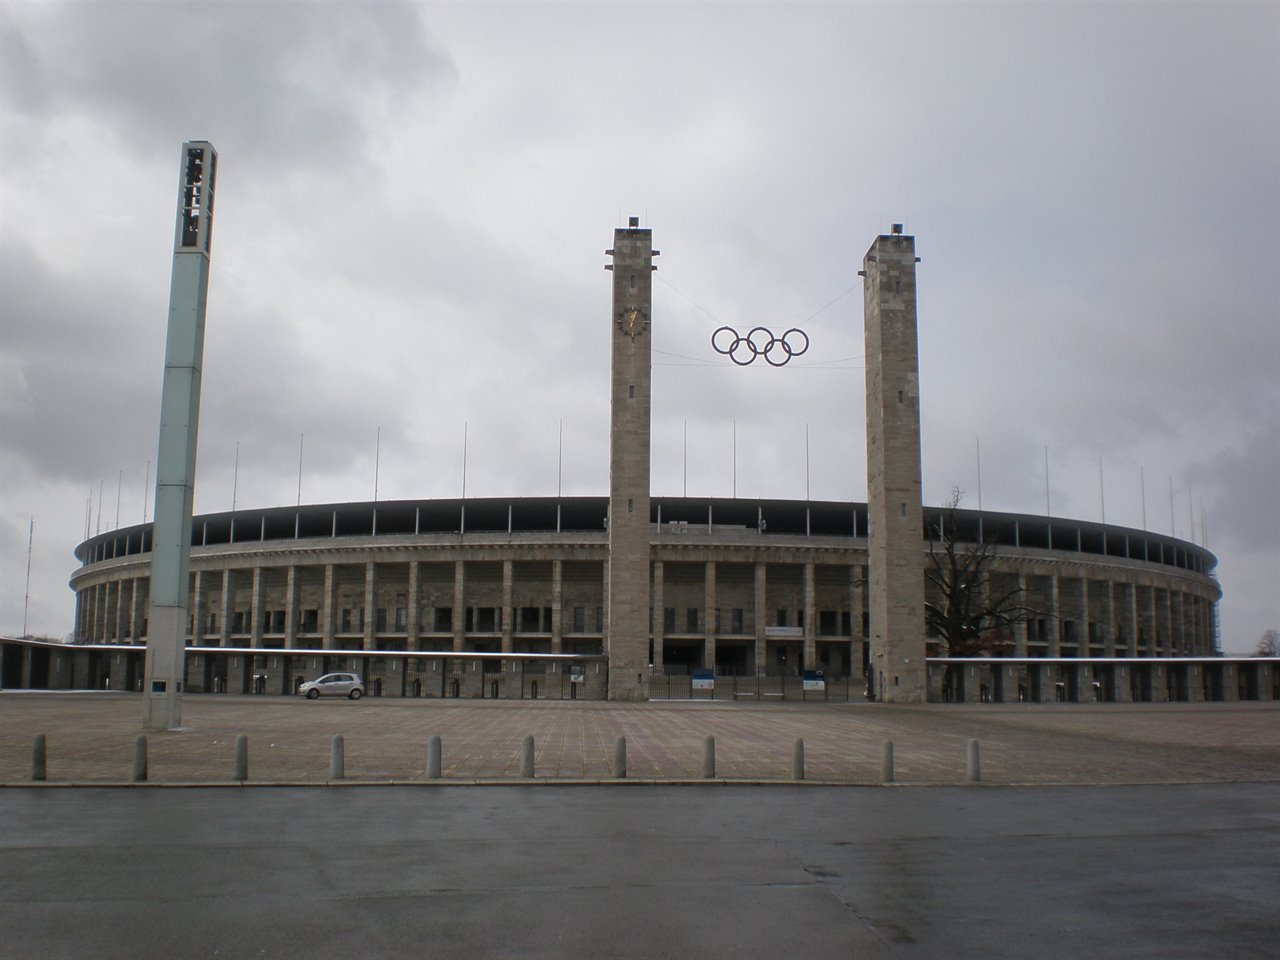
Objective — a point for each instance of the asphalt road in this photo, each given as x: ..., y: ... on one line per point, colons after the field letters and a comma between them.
x: 640, y: 871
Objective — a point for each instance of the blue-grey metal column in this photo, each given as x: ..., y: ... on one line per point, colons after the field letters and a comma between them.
x: 179, y: 419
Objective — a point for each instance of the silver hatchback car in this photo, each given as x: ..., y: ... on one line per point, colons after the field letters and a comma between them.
x: 333, y: 685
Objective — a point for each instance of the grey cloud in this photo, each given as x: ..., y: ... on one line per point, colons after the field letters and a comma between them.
x: 1244, y: 485
x: 288, y: 86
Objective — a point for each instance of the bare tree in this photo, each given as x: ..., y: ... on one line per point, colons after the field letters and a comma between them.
x: 972, y: 612
x: 1268, y: 644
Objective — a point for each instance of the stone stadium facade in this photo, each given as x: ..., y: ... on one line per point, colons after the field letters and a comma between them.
x: 507, y: 598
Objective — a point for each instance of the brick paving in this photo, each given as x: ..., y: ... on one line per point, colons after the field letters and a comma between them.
x: 91, y: 740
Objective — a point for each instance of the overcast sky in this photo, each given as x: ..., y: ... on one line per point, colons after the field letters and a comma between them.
x: 413, y: 204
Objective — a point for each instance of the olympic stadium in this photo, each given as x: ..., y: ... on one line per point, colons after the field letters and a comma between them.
x: 635, y: 597
x: 505, y: 598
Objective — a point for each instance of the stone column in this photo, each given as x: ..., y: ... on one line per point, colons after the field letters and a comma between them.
x: 709, y: 614
x: 508, y: 608
x: 100, y: 612
x: 810, y: 658
x: 197, y: 608
x: 459, y: 607
x: 1153, y: 639
x: 78, y: 630
x: 1085, y: 617
x: 1055, y: 618
x: 760, y: 614
x: 135, y: 625
x: 255, y: 609
x: 99, y: 603
x: 327, y: 606
x: 414, y: 625
x: 557, y: 606
x: 855, y: 620
x: 112, y: 627
x: 228, y: 606
x: 1134, y: 618
x: 1109, y: 624
x: 659, y: 616
x: 370, y: 604
x: 291, y: 607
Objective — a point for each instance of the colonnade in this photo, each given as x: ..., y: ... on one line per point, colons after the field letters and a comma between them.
x: 714, y: 606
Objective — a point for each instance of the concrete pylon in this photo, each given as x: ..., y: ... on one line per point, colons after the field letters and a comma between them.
x: 179, y: 420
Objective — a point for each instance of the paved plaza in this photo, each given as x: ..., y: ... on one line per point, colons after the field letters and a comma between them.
x: 1141, y: 830
x: 641, y: 872
x: 90, y: 739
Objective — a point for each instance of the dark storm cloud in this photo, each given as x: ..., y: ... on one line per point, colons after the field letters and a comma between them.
x: 283, y: 85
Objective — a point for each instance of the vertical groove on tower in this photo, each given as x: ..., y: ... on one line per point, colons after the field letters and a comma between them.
x: 627, y: 600
x: 896, y: 561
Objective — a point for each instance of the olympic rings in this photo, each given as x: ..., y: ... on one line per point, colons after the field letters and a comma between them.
x: 759, y: 342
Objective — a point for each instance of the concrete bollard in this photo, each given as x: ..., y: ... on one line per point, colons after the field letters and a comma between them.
x: 242, y: 758
x: 620, y: 758
x: 973, y: 765
x: 337, y: 761
x: 709, y: 758
x: 433, y: 758
x: 526, y: 758
x: 797, y: 760
x: 39, y: 757
x: 886, y: 762
x: 140, y: 759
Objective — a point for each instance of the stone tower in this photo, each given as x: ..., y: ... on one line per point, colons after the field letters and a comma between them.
x: 893, y: 470
x: 628, y: 589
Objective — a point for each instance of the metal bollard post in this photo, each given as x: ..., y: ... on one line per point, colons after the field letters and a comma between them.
x: 433, y: 758
x: 526, y: 758
x: 886, y: 762
x: 620, y: 758
x: 709, y: 758
x: 974, y: 763
x: 797, y: 760
x: 39, y: 757
x: 242, y: 758
x: 337, y: 762
x: 140, y: 759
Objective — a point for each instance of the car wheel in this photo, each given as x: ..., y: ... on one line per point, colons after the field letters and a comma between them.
x: 356, y: 694
x: 312, y: 693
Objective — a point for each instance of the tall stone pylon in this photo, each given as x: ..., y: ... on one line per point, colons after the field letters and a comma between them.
x: 896, y: 559
x: 627, y: 598
x: 179, y: 420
